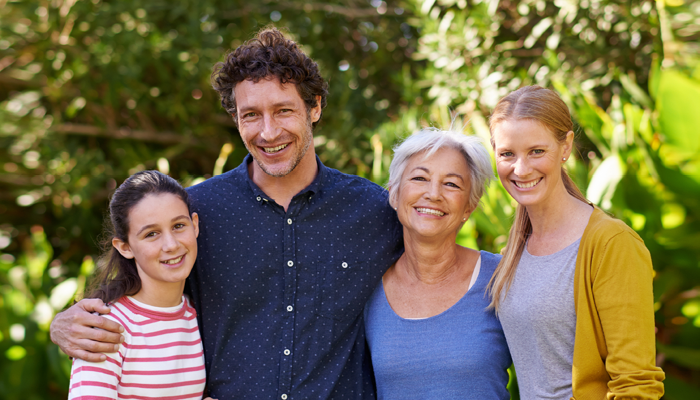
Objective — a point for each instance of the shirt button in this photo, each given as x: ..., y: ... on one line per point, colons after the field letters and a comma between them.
x: 290, y: 308
x: 284, y: 397
x: 290, y: 263
x: 344, y: 265
x: 258, y: 198
x: 287, y: 352
x: 289, y: 221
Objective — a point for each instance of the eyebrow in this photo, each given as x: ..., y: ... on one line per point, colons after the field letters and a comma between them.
x: 149, y: 226
x: 275, y: 105
x: 450, y: 174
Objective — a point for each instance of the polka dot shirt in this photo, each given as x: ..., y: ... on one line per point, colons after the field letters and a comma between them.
x: 280, y: 294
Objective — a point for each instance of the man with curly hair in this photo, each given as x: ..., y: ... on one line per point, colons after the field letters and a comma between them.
x: 289, y: 249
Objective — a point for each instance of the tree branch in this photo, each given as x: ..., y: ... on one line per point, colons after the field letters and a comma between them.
x: 125, y: 133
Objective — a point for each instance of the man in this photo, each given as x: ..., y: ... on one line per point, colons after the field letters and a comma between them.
x: 289, y: 250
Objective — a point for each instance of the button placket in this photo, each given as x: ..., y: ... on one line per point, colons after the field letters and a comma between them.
x: 290, y: 287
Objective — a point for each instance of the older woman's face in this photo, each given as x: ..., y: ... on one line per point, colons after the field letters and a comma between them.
x: 433, y: 194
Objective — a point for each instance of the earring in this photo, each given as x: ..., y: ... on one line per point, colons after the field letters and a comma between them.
x: 563, y: 159
x: 464, y: 219
x: 396, y: 208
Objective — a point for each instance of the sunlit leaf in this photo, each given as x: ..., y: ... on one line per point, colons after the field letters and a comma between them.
x: 604, y: 181
x: 678, y: 103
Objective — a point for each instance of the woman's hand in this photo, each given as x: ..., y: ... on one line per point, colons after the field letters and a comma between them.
x: 74, y: 331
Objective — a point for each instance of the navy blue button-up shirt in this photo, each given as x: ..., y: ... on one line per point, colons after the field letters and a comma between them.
x: 280, y: 295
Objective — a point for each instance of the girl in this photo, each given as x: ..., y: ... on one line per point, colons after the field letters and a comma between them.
x: 574, y: 288
x: 152, y: 248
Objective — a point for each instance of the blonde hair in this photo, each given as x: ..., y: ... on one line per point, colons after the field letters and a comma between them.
x: 543, y: 106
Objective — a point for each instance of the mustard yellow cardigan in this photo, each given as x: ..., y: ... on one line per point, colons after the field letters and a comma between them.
x: 615, y: 349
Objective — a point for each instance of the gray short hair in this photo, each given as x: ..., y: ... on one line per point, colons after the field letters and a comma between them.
x: 430, y: 140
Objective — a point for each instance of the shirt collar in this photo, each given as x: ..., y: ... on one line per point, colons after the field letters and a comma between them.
x: 315, y: 187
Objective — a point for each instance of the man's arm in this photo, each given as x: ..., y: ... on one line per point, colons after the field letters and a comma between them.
x: 73, y: 331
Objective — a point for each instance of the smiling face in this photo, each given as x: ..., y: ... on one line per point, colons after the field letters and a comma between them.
x: 529, y: 161
x: 433, y: 194
x: 163, y: 241
x: 275, y: 126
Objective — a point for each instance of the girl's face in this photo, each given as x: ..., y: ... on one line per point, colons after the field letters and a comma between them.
x: 529, y: 160
x: 163, y: 242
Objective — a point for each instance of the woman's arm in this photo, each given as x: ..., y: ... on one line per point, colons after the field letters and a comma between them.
x: 624, y: 299
x: 73, y: 331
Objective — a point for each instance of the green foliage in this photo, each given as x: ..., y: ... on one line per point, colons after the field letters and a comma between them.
x: 93, y: 91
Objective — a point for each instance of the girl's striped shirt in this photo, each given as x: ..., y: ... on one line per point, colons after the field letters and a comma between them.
x: 161, y: 356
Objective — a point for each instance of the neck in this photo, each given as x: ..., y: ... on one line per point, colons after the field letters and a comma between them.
x: 556, y: 214
x: 429, y: 261
x: 162, y: 295
x: 283, y: 188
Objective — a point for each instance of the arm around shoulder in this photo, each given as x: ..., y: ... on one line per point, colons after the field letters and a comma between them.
x: 624, y: 299
x: 73, y: 331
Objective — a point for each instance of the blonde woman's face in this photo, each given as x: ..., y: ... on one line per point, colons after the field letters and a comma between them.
x: 529, y: 160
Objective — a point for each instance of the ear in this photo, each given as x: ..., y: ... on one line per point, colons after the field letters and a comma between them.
x: 195, y: 223
x: 392, y: 197
x: 468, y: 212
x: 568, y: 144
x: 315, y: 112
x: 123, y: 248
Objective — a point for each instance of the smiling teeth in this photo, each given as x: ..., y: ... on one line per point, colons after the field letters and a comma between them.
x: 173, y: 261
x: 274, y: 149
x: 430, y: 211
x: 523, y: 185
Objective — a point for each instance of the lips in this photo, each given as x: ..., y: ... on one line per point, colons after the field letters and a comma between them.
x: 430, y: 211
x: 527, y: 185
x: 173, y: 261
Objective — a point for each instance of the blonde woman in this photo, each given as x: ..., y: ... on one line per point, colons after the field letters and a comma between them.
x: 573, y: 291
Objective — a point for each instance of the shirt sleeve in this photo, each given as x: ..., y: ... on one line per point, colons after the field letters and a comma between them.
x: 96, y: 380
x: 625, y: 304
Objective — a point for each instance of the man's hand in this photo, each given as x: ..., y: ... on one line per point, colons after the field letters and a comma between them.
x: 73, y: 331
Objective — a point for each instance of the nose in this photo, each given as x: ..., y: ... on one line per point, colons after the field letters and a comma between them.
x: 434, y: 190
x: 521, y: 167
x: 170, y: 242
x: 270, y: 129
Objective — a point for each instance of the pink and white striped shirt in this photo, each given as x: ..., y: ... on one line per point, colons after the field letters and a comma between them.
x: 161, y: 356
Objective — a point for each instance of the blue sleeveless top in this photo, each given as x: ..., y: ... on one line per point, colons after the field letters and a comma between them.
x: 460, y: 353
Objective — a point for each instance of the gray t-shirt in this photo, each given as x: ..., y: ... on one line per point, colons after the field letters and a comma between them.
x: 539, y: 320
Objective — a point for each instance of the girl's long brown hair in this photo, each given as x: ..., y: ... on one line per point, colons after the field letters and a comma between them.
x: 116, y: 275
x: 547, y: 108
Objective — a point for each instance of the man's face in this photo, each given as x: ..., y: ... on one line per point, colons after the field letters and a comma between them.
x: 274, y: 124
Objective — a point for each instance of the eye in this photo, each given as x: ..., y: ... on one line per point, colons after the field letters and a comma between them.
x: 538, y: 151
x: 418, y: 178
x: 179, y: 225
x: 249, y: 115
x: 285, y: 110
x: 150, y: 234
x: 452, y: 184
x: 507, y: 154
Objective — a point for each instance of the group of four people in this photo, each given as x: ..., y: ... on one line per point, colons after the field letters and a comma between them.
x: 313, y: 284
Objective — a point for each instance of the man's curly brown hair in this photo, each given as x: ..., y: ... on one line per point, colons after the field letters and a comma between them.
x: 269, y: 54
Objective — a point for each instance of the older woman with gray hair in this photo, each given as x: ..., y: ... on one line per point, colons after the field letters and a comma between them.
x: 427, y: 324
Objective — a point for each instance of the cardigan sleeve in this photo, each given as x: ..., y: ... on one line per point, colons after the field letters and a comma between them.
x: 623, y: 292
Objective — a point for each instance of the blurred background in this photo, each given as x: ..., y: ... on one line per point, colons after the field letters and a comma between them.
x: 92, y: 91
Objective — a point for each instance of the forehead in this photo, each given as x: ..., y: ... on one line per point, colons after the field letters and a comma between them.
x: 521, y: 132
x: 153, y: 207
x: 444, y: 160
x: 265, y: 91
